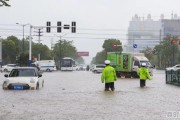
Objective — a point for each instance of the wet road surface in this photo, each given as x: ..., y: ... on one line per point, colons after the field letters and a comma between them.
x: 79, y: 95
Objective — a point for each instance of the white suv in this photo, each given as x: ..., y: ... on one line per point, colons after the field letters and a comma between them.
x: 98, y: 68
x: 8, y: 67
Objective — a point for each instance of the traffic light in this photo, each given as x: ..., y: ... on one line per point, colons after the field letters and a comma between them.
x: 73, y: 28
x: 66, y: 26
x: 58, y: 26
x: 48, y: 28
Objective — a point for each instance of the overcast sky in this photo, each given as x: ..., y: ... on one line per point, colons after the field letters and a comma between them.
x: 96, y: 20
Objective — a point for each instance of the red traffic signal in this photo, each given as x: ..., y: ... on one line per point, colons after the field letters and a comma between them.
x: 115, y: 46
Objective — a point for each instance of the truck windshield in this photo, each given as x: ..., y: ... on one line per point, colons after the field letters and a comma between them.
x: 147, y: 63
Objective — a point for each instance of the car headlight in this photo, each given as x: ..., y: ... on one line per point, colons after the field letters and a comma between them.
x: 32, y: 80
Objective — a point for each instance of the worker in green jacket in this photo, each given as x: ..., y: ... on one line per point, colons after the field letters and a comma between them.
x: 143, y: 73
x: 108, y: 76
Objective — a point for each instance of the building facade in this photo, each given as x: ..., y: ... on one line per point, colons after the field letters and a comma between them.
x: 146, y: 32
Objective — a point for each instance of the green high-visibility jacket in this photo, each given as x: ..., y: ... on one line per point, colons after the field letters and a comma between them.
x: 143, y: 73
x: 108, y: 74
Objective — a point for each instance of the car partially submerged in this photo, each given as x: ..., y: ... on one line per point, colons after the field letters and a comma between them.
x: 98, y: 68
x: 21, y: 78
x: 8, y: 67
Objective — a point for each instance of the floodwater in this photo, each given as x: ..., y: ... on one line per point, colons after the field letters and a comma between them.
x: 80, y: 95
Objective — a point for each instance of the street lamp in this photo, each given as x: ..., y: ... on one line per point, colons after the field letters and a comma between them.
x: 23, y: 25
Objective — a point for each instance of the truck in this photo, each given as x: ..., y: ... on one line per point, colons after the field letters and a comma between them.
x: 127, y: 64
x: 46, y: 65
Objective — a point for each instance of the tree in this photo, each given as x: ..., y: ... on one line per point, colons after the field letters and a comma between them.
x: 108, y: 45
x: 65, y: 48
x: 10, y: 49
x: 4, y: 3
x: 42, y: 50
x: 99, y: 58
x: 23, y: 59
x: 166, y: 53
x: 79, y: 60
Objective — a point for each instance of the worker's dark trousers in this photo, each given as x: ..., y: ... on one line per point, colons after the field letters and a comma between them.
x: 142, y: 83
x: 109, y: 85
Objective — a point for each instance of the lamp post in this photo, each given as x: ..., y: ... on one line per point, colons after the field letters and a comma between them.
x: 23, y: 25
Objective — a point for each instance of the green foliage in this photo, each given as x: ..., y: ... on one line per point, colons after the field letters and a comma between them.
x: 79, y: 60
x: 42, y: 50
x: 23, y: 59
x: 108, y: 47
x: 100, y: 57
x: 10, y: 49
x: 65, y: 48
x: 163, y: 55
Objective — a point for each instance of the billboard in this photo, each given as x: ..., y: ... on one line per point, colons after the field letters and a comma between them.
x: 83, y: 53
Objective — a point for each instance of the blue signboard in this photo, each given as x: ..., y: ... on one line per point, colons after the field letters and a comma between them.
x: 134, y: 45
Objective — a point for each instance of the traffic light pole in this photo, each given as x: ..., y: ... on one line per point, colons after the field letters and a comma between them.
x: 30, y: 46
x: 0, y: 52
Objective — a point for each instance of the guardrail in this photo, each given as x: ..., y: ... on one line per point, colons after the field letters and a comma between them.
x: 173, y: 76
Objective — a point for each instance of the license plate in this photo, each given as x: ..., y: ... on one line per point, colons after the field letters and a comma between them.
x: 18, y: 87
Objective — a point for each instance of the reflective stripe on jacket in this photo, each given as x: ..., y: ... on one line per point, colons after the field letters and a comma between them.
x: 143, y: 73
x: 108, y: 75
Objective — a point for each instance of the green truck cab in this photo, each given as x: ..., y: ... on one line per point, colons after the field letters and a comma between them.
x: 127, y: 64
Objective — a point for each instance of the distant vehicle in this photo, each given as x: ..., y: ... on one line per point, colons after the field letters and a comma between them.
x: 91, y: 67
x: 46, y: 65
x: 98, y: 68
x: 8, y: 67
x: 127, y: 64
x: 67, y: 64
x: 87, y: 68
x: 21, y: 78
x: 75, y: 67
x: 175, y: 67
x: 81, y: 67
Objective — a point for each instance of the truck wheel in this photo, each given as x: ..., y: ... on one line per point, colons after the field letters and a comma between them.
x: 134, y: 75
x: 5, y: 70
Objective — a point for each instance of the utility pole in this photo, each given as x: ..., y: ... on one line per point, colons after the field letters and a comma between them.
x: 52, y: 44
x: 160, y: 50
x: 30, y: 46
x: 0, y: 52
x: 39, y: 34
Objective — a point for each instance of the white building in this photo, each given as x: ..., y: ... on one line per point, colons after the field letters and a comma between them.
x: 145, y: 32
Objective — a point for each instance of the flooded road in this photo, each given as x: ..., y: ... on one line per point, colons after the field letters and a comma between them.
x: 79, y: 95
